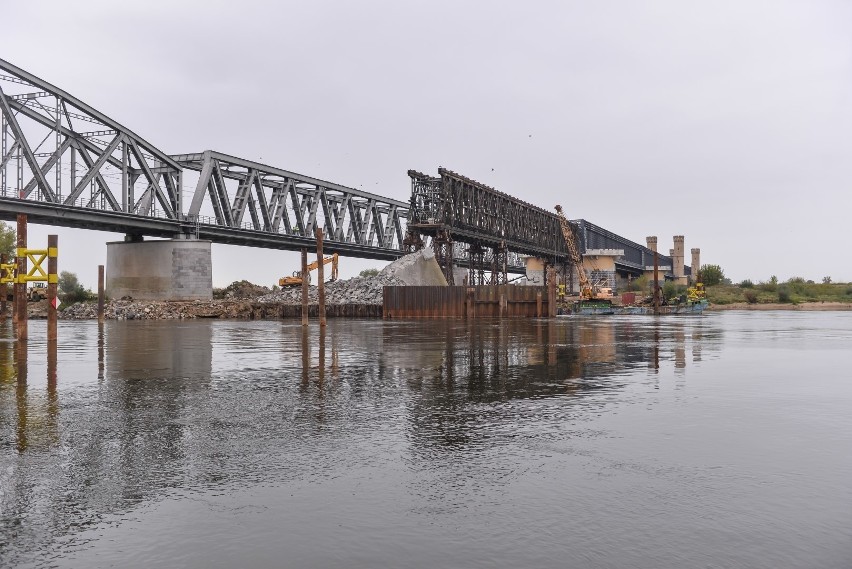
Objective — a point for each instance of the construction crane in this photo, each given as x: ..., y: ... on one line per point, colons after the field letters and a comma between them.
x: 296, y: 279
x: 588, y: 290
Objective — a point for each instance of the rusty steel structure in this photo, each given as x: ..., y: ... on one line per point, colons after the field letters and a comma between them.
x: 496, y: 228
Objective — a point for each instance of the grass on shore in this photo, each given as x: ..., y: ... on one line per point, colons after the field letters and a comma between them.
x: 794, y: 291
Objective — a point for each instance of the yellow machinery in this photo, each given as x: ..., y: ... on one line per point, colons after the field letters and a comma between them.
x: 588, y: 290
x: 37, y: 292
x: 696, y: 293
x: 296, y: 279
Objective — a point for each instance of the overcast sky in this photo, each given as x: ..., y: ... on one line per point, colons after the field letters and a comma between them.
x: 727, y: 122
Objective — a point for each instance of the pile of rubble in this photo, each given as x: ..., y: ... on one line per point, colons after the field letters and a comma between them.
x: 150, y: 310
x: 241, y: 289
x: 418, y: 268
x: 357, y: 290
x: 243, y: 299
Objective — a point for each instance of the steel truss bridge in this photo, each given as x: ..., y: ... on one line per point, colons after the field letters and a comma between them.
x: 494, y: 227
x: 450, y: 208
x: 64, y: 163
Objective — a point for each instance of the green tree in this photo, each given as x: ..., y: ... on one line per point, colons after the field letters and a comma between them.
x: 70, y: 289
x: 641, y: 284
x: 368, y: 273
x: 712, y: 275
x: 8, y: 240
x: 669, y: 290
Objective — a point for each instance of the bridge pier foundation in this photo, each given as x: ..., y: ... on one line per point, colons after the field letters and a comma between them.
x: 169, y: 269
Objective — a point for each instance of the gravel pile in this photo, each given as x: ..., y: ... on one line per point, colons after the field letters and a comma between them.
x: 148, y: 310
x: 357, y: 290
x: 246, y: 300
x: 241, y: 289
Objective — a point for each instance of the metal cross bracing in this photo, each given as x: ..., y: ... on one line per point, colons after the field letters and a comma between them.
x: 474, y: 212
x: 268, y: 199
x: 64, y: 163
x: 57, y: 150
x: 496, y: 226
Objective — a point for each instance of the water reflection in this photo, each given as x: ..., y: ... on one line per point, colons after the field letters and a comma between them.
x: 179, y: 352
x: 151, y: 408
x: 36, y: 411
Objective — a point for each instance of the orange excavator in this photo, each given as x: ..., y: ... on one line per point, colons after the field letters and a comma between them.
x: 296, y: 279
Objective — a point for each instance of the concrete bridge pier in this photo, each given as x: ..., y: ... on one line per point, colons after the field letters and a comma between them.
x: 163, y: 269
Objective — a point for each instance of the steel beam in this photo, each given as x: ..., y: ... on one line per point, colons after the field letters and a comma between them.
x: 346, y: 214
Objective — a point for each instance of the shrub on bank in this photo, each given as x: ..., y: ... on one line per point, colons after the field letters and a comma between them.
x: 641, y: 284
x: 793, y: 291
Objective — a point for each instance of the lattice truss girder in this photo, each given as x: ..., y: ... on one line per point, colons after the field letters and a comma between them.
x: 490, y: 257
x: 242, y: 194
x: 464, y: 205
x: 55, y: 148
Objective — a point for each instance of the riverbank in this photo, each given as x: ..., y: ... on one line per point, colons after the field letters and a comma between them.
x: 265, y: 308
x: 222, y: 309
x: 806, y: 306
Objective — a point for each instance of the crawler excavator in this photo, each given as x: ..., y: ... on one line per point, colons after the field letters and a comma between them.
x: 296, y: 279
x: 588, y: 289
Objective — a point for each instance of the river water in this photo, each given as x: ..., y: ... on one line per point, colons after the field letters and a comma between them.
x: 722, y: 440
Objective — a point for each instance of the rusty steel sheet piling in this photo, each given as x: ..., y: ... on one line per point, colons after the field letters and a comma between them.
x: 492, y: 301
x: 331, y: 310
x: 551, y: 293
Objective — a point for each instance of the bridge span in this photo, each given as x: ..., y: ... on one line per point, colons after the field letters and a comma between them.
x: 64, y: 163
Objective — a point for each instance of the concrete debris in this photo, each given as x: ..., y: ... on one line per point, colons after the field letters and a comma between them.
x: 245, y: 300
x: 357, y: 290
x: 416, y: 269
x: 159, y: 310
x: 241, y: 289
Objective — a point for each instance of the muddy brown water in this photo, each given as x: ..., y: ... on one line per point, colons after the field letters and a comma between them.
x: 722, y: 440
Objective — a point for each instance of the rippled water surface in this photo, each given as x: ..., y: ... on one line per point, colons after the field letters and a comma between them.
x: 715, y: 441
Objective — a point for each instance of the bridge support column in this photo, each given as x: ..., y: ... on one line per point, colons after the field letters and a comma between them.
x: 170, y: 269
x: 442, y: 244
x: 476, y: 259
x: 498, y: 264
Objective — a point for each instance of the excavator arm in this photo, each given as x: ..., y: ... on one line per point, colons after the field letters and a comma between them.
x: 574, y: 254
x: 296, y: 279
